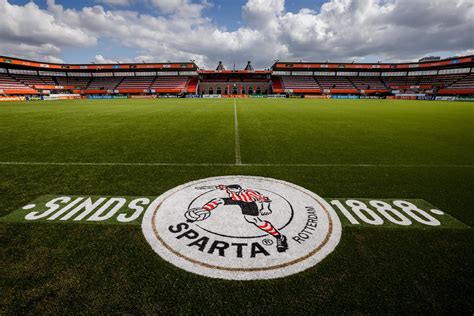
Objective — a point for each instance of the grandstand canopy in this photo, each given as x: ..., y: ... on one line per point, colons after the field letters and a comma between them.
x: 445, y: 63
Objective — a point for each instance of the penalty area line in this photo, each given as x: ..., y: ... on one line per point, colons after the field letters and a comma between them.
x: 166, y: 164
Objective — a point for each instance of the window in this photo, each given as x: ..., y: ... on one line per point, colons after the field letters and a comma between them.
x: 281, y: 73
x: 79, y: 74
x: 23, y: 72
x: 394, y: 74
x: 302, y: 73
x: 369, y: 74
x: 324, y: 73
x: 453, y: 71
x: 347, y: 73
x: 52, y: 73
x: 124, y: 74
x: 103, y: 74
x: 166, y: 73
x: 188, y: 73
x: 145, y: 73
x: 423, y: 73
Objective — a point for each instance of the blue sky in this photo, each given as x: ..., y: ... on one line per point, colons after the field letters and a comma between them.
x: 235, y: 30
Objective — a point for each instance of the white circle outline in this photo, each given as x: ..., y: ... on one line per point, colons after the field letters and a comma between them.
x: 147, y: 229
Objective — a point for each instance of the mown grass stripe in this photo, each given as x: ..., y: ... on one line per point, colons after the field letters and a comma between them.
x: 32, y: 163
x: 238, y: 159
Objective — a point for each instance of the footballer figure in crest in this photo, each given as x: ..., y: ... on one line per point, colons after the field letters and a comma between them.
x: 253, y: 205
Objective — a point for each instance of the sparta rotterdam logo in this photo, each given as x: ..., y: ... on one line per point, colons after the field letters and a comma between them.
x: 241, y: 227
x: 253, y: 205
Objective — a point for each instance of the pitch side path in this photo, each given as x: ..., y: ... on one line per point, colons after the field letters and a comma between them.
x: 348, y: 149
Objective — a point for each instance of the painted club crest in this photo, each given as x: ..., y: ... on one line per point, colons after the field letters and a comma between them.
x: 241, y: 227
x: 254, y: 207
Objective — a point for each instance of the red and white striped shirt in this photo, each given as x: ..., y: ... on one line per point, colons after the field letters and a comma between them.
x: 248, y: 196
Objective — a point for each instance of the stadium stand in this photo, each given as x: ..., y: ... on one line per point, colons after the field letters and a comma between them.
x: 299, y: 83
x: 9, y: 83
x: 368, y: 83
x: 277, y: 86
x: 334, y: 83
x: 400, y: 82
x: 31, y: 80
x: 48, y: 80
x: 465, y: 83
x: 169, y: 84
x: 451, y: 76
x: 192, y: 85
x: 104, y: 83
x: 77, y: 82
x: 441, y: 81
x: 135, y: 83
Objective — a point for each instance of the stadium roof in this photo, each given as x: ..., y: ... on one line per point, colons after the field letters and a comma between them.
x: 278, y: 65
x: 40, y: 64
x: 285, y: 65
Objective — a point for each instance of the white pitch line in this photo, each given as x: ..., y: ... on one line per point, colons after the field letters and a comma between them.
x: 146, y: 164
x: 166, y: 164
x: 238, y: 159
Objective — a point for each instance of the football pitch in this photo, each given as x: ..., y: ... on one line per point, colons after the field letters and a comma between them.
x: 380, y: 149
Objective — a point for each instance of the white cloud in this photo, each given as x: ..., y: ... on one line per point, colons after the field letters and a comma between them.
x: 116, y: 2
x: 31, y: 32
x: 43, y: 52
x: 263, y: 14
x: 342, y: 29
x: 169, y: 5
x: 102, y: 60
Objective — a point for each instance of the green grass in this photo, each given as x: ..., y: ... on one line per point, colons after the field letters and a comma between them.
x: 361, y: 148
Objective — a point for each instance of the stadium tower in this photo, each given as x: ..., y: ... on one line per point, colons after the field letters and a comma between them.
x: 245, y: 81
